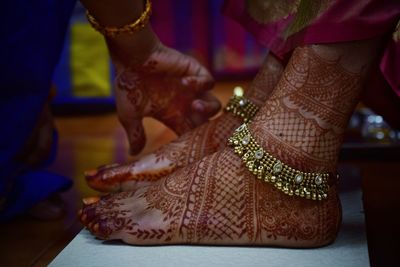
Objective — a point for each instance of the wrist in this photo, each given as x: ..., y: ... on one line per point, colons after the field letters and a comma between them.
x: 114, y: 13
x: 126, y: 27
x: 133, y: 48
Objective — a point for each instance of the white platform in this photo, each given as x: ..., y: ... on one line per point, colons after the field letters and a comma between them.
x: 350, y: 249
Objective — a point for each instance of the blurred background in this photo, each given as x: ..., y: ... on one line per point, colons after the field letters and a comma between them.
x: 84, y: 74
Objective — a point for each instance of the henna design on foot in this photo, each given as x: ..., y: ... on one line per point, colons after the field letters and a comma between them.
x: 218, y: 201
x: 309, y: 110
x: 215, y: 201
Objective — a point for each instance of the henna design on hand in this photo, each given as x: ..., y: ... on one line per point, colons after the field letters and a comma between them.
x: 163, y: 87
x: 189, y: 147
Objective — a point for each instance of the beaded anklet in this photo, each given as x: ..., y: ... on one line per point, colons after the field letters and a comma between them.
x: 241, y: 107
x: 271, y: 170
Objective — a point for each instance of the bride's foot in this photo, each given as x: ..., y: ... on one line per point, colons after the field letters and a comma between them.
x: 215, y: 201
x: 218, y: 201
x: 188, y: 148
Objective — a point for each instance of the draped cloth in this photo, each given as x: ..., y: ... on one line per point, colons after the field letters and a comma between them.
x: 32, y: 34
x: 283, y: 25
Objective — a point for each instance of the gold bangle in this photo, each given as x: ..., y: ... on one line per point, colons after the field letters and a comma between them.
x: 241, y: 107
x: 131, y: 28
x: 269, y: 169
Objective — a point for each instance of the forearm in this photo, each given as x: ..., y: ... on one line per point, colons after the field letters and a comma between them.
x: 133, y: 46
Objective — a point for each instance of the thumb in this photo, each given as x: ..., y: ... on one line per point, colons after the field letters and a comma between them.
x: 207, y: 105
x: 203, y: 109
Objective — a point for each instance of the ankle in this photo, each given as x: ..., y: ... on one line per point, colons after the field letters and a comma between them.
x: 303, y: 121
x: 265, y: 80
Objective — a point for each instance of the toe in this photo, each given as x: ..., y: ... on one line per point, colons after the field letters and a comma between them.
x: 87, y: 214
x: 90, y: 200
x: 108, y: 178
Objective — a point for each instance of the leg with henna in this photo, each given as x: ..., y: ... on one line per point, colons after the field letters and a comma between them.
x: 217, y: 200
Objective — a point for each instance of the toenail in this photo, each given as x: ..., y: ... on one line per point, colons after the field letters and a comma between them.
x: 112, y: 165
x: 90, y: 172
x: 90, y: 200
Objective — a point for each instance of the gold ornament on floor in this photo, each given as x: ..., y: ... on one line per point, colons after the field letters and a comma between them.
x: 131, y: 28
x: 240, y: 106
x: 269, y: 169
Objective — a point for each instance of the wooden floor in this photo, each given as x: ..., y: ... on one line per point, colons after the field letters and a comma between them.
x: 89, y: 141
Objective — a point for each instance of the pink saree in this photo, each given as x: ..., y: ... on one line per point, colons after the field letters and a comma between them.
x: 326, y: 21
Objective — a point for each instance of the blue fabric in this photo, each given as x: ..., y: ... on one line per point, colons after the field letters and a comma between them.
x: 32, y: 34
x: 34, y: 185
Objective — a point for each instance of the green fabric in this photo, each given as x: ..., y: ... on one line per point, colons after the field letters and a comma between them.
x: 307, y: 11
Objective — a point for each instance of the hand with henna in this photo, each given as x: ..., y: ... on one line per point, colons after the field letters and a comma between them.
x: 188, y: 148
x: 152, y: 80
x: 170, y: 87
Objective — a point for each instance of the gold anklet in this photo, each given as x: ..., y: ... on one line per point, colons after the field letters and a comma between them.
x: 269, y: 169
x: 241, y: 107
x: 131, y: 28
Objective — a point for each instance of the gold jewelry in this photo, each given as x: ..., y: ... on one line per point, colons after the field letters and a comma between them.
x: 241, y: 106
x: 269, y: 169
x: 131, y: 28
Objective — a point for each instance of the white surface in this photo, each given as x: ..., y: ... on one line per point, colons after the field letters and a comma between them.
x: 350, y: 249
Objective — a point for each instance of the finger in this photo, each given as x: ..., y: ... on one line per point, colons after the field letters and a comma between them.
x: 207, y: 105
x: 197, y: 119
x: 197, y: 84
x: 203, y: 108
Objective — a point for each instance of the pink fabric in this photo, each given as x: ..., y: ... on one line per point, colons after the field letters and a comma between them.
x: 343, y: 21
x: 390, y: 65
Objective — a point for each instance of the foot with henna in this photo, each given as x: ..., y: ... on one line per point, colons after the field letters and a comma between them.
x: 273, y: 186
x: 188, y: 148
